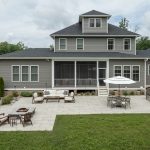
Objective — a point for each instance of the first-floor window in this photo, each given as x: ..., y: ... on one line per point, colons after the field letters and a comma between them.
x: 127, y: 71
x: 25, y: 73
x: 34, y: 73
x: 117, y: 71
x: 136, y: 73
x: 15, y: 73
x: 148, y: 69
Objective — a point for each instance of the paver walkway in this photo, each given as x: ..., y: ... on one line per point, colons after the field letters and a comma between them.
x: 45, y: 114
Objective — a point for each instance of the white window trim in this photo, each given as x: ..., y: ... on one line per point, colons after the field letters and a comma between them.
x: 76, y: 44
x: 28, y: 73
x: 12, y: 73
x: 38, y: 72
x: 130, y: 69
x: 139, y: 71
x: 148, y: 69
x: 114, y: 44
x: 65, y: 43
x: 114, y: 69
x: 95, y: 22
x: 124, y: 44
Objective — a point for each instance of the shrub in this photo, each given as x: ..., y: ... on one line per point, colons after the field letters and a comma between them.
x: 26, y: 94
x: 132, y: 93
x: 1, y: 87
x: 15, y: 94
x: 125, y: 93
x: 7, y: 99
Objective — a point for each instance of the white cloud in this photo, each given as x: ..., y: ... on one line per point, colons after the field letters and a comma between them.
x: 31, y: 21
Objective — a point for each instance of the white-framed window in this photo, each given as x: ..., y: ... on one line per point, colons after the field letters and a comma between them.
x: 62, y: 44
x: 148, y: 69
x: 127, y: 44
x: 136, y: 73
x: 15, y: 74
x: 79, y: 43
x: 25, y: 73
x: 95, y: 22
x: 117, y: 70
x: 34, y: 73
x: 127, y: 71
x: 110, y: 44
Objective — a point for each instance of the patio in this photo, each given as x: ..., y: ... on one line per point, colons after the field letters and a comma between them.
x: 45, y: 113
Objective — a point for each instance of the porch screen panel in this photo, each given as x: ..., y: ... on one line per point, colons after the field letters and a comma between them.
x: 64, y: 74
x: 86, y: 74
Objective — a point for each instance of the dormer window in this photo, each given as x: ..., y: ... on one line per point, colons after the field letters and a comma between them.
x: 62, y: 44
x: 95, y: 22
x: 127, y: 44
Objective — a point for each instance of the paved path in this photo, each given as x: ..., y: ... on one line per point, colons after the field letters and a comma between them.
x: 44, y: 117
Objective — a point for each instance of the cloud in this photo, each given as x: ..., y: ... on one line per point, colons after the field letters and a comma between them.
x: 31, y: 21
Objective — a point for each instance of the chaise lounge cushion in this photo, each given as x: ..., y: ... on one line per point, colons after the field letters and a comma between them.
x: 60, y: 93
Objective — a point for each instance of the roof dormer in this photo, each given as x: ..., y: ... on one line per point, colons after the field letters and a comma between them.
x: 94, y: 22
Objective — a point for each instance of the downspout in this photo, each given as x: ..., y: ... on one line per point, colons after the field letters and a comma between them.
x: 145, y: 74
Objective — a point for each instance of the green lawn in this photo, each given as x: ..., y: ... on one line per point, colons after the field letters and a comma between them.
x: 85, y: 132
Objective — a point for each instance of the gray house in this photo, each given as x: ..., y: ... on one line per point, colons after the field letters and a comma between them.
x: 85, y: 54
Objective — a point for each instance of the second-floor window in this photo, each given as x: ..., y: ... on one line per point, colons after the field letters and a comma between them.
x: 127, y: 44
x: 63, y: 44
x: 95, y: 22
x: 110, y: 44
x: 79, y: 44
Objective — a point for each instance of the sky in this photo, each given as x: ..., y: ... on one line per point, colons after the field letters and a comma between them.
x: 32, y: 21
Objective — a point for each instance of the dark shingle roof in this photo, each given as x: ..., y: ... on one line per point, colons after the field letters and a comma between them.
x: 94, y: 12
x: 143, y: 53
x: 76, y: 29
x: 46, y: 52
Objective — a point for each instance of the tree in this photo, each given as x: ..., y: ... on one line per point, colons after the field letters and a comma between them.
x: 51, y: 47
x: 143, y: 43
x: 124, y: 23
x: 6, y: 47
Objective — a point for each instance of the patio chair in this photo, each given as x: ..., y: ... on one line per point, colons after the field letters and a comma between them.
x: 69, y: 98
x: 36, y: 98
x: 3, y: 118
x: 26, y: 118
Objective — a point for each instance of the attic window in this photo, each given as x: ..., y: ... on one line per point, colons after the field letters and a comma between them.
x: 95, y: 22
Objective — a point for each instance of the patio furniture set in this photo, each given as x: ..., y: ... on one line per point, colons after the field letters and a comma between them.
x: 22, y: 114
x: 118, y: 101
x: 54, y: 95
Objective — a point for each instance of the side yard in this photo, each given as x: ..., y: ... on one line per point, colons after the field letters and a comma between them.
x: 85, y: 132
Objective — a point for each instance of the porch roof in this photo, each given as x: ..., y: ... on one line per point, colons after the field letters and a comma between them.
x: 44, y: 53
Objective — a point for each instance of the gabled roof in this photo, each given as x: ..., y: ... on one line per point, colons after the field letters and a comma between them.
x: 76, y: 30
x: 94, y: 12
x: 46, y: 53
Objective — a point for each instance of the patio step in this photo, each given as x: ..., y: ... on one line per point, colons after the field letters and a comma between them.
x: 103, y: 92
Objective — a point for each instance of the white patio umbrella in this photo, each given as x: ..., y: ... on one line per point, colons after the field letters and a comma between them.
x: 119, y: 80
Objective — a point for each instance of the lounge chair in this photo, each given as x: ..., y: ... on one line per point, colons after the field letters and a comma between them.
x: 3, y: 118
x: 69, y: 98
x: 36, y: 98
x: 26, y: 118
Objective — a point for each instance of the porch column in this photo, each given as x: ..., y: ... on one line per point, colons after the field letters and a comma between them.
x: 97, y: 71
x: 75, y: 73
x: 52, y: 73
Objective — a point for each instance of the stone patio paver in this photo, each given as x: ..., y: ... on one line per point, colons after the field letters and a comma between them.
x: 45, y: 114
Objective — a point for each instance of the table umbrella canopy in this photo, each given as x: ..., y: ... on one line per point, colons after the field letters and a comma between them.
x: 119, y: 80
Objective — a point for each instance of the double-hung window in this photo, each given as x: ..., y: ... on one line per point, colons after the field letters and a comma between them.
x: 127, y: 44
x: 25, y: 73
x: 127, y: 71
x: 16, y: 73
x: 98, y: 22
x: 80, y: 44
x: 95, y: 22
x: 136, y: 73
x: 110, y: 44
x: 63, y: 44
x: 92, y: 22
x: 34, y: 73
x: 117, y: 70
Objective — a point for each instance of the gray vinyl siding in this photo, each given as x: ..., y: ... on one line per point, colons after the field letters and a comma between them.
x: 96, y: 45
x: 128, y: 62
x: 147, y: 74
x: 87, y: 29
x: 45, y: 73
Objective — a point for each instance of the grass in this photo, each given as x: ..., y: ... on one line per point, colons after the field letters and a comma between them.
x: 85, y: 132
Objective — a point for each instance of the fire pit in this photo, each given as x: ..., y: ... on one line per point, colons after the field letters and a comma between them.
x: 22, y: 110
